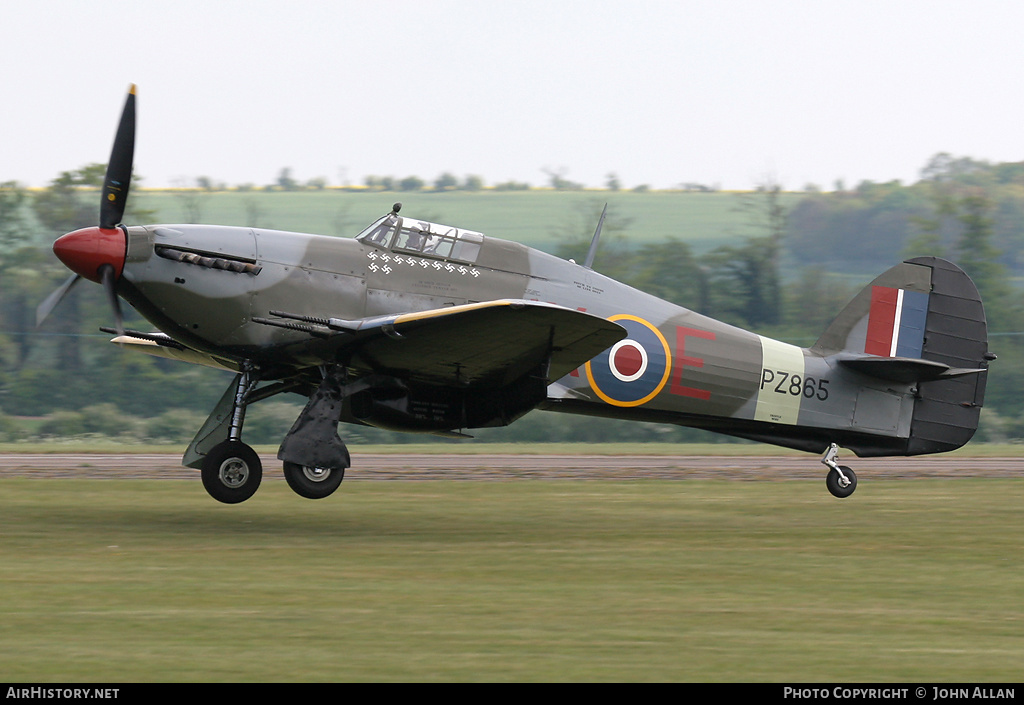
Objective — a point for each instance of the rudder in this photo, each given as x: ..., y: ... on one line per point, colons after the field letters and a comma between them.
x: 947, y: 410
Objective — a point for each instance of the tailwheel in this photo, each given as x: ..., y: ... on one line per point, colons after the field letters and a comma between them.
x: 232, y: 472
x: 841, y: 482
x: 313, y: 483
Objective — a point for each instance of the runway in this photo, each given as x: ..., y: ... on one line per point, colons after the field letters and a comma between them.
x: 491, y: 467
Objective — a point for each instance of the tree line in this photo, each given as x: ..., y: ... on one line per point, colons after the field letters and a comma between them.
x: 446, y: 181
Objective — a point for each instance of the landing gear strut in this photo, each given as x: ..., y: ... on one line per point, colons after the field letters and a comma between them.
x: 841, y: 480
x: 314, y: 455
x: 231, y: 470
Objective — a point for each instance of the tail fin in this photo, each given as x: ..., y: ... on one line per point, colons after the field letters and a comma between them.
x: 920, y: 322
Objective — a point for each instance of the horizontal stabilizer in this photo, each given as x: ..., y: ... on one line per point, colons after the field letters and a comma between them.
x: 903, y: 369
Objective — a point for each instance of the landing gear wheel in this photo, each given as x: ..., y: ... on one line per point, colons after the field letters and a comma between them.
x: 232, y: 472
x: 313, y: 483
x: 837, y: 485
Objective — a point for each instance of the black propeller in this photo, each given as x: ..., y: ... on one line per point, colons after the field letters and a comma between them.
x: 119, y: 169
x: 83, y: 249
x: 56, y: 296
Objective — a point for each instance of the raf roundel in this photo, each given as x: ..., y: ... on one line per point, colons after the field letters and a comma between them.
x: 635, y: 369
x: 627, y: 360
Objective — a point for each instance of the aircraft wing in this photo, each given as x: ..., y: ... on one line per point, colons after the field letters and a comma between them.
x: 492, y: 342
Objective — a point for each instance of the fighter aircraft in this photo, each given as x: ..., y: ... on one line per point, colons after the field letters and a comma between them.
x: 422, y: 327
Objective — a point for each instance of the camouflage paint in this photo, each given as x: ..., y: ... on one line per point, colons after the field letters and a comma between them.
x: 673, y: 365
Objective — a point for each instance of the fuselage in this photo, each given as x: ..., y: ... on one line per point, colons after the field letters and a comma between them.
x: 205, y: 285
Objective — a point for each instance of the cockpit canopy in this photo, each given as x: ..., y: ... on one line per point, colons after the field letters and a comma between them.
x: 399, y: 234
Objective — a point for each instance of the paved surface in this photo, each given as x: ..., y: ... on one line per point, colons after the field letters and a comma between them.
x: 510, y: 467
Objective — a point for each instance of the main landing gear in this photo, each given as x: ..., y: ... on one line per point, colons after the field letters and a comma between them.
x: 315, y: 458
x: 841, y: 480
x: 231, y: 470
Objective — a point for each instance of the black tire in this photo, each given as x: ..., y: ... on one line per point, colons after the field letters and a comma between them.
x: 313, y: 483
x: 835, y: 485
x: 232, y: 472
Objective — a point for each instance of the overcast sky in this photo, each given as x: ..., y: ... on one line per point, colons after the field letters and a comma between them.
x: 721, y: 92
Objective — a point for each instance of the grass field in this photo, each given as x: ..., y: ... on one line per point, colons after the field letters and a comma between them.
x: 142, y: 581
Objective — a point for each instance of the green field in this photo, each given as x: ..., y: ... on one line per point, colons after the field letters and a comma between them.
x: 535, y: 217
x: 529, y: 580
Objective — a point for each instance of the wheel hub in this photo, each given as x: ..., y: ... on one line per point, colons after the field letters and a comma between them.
x: 234, y: 472
x: 316, y: 474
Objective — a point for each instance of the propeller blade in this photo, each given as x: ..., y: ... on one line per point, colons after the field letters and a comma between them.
x: 50, y: 302
x: 108, y: 277
x: 119, y: 170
